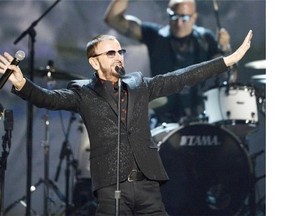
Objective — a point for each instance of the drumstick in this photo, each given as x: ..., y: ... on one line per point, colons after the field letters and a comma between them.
x: 215, y: 4
x: 216, y: 9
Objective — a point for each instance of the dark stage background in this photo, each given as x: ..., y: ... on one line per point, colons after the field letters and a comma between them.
x: 61, y: 36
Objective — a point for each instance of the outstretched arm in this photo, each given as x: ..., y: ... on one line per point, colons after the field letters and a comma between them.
x: 240, y: 52
x: 127, y: 25
x: 18, y: 80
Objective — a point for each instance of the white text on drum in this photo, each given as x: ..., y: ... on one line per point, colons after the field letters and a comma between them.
x: 199, y: 140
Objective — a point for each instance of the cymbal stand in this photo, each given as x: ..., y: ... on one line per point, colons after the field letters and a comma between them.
x: 21, y: 201
x: 46, y: 165
x: 46, y: 208
x: 33, y: 188
x: 66, y: 152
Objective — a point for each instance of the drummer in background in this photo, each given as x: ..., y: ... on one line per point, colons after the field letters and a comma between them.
x: 173, y: 46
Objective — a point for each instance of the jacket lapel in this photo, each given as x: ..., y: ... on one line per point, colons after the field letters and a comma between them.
x: 131, y: 94
x: 131, y: 85
x: 98, y: 88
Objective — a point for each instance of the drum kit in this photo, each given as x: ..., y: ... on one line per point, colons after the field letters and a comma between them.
x: 209, y: 164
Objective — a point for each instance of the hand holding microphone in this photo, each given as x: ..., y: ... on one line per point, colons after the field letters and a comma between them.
x: 7, y: 60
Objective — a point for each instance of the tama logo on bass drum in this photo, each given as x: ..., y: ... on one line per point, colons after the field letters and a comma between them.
x: 199, y: 140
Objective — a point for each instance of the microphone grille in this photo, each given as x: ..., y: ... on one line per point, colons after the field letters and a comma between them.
x: 20, y: 55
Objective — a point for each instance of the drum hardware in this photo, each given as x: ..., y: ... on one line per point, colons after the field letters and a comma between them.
x: 46, y: 165
x: 262, y: 105
x: 66, y: 153
x: 50, y: 74
x: 46, y: 150
x: 205, y: 179
x: 48, y: 183
x: 33, y: 188
x: 260, y: 91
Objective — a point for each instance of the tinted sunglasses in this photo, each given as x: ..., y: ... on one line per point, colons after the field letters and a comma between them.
x: 112, y: 53
x: 173, y: 16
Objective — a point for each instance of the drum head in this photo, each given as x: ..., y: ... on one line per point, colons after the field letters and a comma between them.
x: 209, y: 171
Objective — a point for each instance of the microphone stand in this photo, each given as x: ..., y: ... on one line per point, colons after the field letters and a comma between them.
x: 117, y: 191
x: 32, y: 33
x: 8, y: 125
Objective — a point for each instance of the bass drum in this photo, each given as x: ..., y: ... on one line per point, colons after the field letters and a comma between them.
x: 209, y: 170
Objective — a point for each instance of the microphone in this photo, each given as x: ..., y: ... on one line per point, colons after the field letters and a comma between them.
x: 19, y: 56
x: 120, y: 71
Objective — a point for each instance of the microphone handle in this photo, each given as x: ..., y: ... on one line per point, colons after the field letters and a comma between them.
x: 7, y: 73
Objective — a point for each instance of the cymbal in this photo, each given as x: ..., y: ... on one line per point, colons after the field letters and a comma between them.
x: 158, y: 102
x: 260, y: 76
x: 262, y: 81
x: 259, y: 64
x: 57, y: 74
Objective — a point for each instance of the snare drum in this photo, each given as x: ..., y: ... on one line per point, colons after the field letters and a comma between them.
x: 209, y: 169
x: 160, y: 132
x: 234, y: 106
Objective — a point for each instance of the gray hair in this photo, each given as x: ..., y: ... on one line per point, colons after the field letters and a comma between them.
x: 92, y: 44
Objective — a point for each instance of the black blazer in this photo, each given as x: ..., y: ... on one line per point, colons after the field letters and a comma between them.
x: 99, y: 113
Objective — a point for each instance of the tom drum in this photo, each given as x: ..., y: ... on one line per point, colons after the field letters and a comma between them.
x: 234, y: 106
